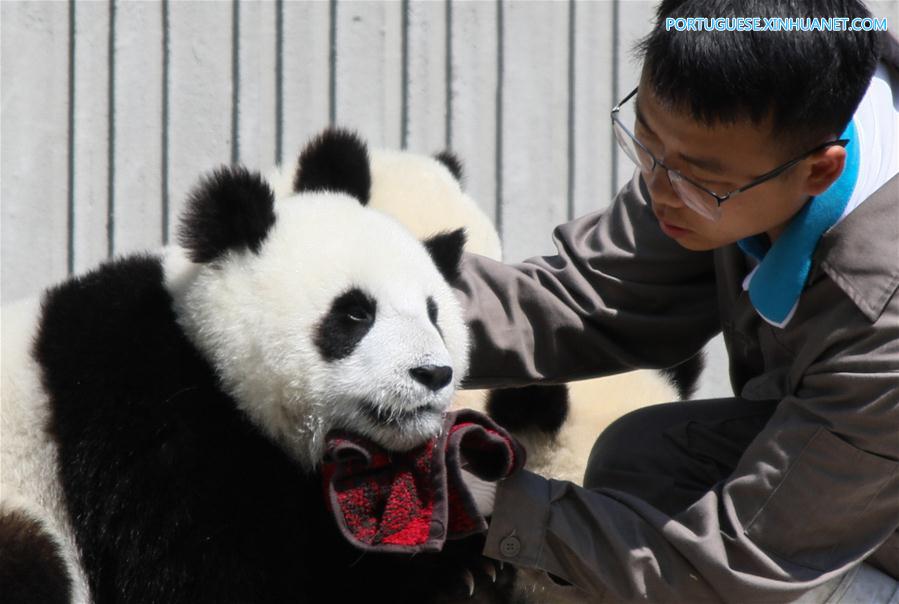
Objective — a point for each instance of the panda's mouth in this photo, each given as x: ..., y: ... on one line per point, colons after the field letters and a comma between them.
x: 382, y: 416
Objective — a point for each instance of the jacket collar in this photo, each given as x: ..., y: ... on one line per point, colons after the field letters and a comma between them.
x: 776, y: 284
x: 861, y: 253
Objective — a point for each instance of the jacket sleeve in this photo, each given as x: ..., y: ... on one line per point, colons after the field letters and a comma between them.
x: 815, y: 493
x: 596, y: 307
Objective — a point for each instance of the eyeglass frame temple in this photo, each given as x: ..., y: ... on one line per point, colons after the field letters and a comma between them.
x: 771, y: 174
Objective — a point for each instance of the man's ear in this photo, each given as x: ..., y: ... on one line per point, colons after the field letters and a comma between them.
x: 824, y: 168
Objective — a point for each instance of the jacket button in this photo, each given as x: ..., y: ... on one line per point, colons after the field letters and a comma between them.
x: 510, y: 546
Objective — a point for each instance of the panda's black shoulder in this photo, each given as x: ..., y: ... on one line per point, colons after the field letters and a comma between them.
x: 116, y: 290
x: 108, y: 286
x: 106, y: 317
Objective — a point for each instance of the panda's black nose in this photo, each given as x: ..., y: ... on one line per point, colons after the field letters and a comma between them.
x: 434, y: 377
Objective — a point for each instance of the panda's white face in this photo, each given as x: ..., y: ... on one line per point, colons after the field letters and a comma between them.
x: 341, y: 320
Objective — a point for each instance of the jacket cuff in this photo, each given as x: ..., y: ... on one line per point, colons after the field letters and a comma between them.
x: 518, y: 527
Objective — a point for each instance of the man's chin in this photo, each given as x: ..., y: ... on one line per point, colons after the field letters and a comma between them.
x: 695, y: 243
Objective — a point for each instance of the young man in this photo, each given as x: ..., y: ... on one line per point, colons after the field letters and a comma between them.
x: 765, y: 205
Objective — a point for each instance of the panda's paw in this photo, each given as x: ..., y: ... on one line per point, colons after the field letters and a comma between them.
x: 478, y: 576
x: 481, y: 582
x: 32, y: 567
x: 467, y: 576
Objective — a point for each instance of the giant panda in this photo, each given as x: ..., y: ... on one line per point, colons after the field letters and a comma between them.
x: 163, y: 416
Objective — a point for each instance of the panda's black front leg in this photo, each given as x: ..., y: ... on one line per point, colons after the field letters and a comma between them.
x: 458, y: 573
x: 32, y: 568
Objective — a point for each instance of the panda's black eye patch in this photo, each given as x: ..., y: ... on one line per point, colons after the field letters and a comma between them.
x: 348, y: 320
x: 432, y: 310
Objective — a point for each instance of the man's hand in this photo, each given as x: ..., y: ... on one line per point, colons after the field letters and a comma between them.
x: 482, y: 491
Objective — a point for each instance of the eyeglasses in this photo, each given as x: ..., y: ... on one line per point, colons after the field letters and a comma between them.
x: 695, y: 196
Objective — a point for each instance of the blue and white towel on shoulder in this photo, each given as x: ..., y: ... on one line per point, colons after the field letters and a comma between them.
x: 776, y: 283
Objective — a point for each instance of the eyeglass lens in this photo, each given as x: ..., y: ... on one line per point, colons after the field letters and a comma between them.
x: 694, y: 198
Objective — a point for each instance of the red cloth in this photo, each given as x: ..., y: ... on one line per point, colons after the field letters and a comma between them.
x: 413, y: 501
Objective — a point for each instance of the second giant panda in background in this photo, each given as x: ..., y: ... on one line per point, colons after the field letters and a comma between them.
x: 558, y: 424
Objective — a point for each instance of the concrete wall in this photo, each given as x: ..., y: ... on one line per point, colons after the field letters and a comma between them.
x: 111, y: 110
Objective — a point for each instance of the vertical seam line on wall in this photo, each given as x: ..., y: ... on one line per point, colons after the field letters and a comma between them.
x: 404, y: 86
x: 70, y: 162
x: 279, y: 80
x: 571, y: 106
x: 110, y: 174
x: 498, y: 210
x: 448, y: 59
x: 332, y: 64
x: 166, y: 59
x: 616, y: 24
x: 235, y: 81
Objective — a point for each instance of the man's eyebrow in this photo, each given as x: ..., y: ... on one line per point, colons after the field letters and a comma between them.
x: 709, y: 164
x: 640, y: 117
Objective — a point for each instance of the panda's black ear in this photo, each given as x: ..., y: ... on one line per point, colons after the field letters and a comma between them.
x: 446, y: 250
x: 335, y: 160
x: 230, y: 209
x: 452, y: 163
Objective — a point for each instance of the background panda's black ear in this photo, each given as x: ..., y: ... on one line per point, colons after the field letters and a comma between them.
x: 336, y: 160
x: 452, y: 163
x: 446, y: 251
x: 230, y: 209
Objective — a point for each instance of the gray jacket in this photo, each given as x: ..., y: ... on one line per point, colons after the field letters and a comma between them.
x: 818, y: 489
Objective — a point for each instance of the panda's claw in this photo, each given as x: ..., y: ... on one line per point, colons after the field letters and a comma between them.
x: 469, y: 582
x: 490, y: 570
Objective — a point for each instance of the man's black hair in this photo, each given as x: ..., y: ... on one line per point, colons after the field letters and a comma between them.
x: 810, y: 82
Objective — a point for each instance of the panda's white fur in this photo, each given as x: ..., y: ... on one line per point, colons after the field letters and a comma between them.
x: 252, y: 324
x: 423, y: 194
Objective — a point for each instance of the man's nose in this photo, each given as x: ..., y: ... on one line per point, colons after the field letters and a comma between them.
x: 660, y: 188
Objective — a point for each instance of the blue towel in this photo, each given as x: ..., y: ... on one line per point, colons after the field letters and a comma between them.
x: 777, y: 282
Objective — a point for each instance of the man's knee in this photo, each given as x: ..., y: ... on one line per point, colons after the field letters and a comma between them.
x: 628, y: 441
x: 654, y: 441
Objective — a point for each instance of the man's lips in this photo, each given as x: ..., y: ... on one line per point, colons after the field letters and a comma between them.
x: 672, y: 230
